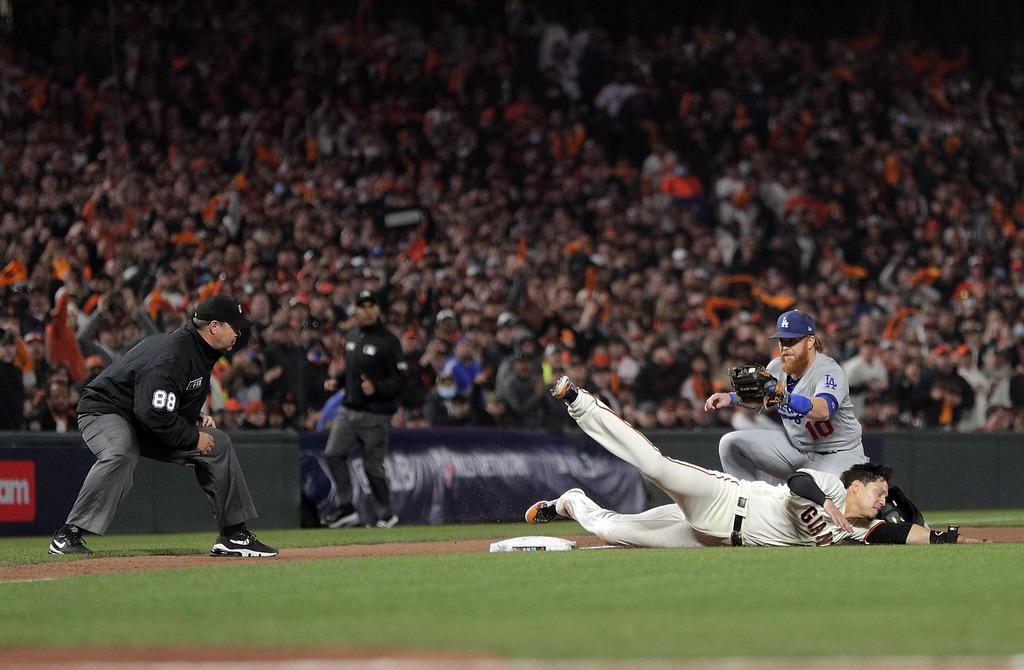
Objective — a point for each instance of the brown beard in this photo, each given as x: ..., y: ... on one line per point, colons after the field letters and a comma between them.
x: 798, y: 365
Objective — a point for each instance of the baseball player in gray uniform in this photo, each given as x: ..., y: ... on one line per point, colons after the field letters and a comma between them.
x: 821, y: 430
x: 712, y: 508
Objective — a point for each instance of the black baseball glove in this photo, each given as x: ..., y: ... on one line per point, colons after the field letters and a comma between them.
x: 755, y: 385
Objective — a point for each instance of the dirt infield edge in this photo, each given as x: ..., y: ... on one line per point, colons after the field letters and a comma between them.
x: 103, y: 565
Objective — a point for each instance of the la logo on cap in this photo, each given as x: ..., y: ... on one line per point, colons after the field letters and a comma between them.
x: 785, y: 322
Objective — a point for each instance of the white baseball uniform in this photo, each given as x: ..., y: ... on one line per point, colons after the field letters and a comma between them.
x: 832, y: 445
x: 707, y: 502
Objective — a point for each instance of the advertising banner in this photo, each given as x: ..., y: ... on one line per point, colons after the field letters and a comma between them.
x: 467, y: 475
x: 17, y: 491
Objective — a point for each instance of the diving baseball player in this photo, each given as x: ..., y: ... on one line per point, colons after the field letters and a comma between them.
x: 712, y: 508
x: 821, y: 430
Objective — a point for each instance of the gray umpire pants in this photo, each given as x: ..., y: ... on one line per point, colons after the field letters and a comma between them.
x: 769, y: 456
x: 351, y: 429
x: 113, y: 441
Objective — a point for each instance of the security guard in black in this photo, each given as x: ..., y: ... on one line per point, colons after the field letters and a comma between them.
x: 373, y: 353
x: 375, y: 376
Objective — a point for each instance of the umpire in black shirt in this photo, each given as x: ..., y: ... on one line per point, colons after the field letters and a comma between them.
x: 375, y: 377
x: 148, y: 404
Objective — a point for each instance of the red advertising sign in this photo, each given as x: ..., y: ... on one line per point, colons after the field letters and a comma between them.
x: 17, y: 491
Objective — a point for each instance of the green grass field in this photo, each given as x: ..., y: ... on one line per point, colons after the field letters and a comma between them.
x: 667, y: 604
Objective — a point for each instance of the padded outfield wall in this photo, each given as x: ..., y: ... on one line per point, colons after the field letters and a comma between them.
x: 467, y: 475
x: 937, y: 469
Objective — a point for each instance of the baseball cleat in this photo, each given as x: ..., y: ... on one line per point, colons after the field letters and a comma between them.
x: 564, y: 390
x: 542, y: 511
x: 68, y: 540
x: 242, y: 544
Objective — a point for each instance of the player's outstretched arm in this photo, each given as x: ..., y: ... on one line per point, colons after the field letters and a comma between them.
x: 717, y: 401
x: 911, y: 533
x: 921, y: 535
x: 720, y: 400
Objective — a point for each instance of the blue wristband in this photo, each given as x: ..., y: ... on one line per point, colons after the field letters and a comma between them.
x: 798, y: 403
x: 733, y: 399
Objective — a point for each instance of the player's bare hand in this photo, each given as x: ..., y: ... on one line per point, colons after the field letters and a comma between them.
x: 206, y: 421
x: 716, y: 402
x: 837, y: 516
x: 331, y: 385
x: 205, y: 444
x: 367, y: 386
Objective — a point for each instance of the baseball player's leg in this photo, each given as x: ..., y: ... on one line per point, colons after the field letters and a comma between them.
x: 760, y: 455
x: 839, y: 462
x: 664, y: 526
x: 341, y: 442
x: 112, y: 440
x: 375, y: 430
x: 706, y: 497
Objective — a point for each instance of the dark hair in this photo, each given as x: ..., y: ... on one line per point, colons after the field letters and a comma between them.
x: 866, y: 473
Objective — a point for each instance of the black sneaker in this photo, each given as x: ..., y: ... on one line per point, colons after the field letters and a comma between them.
x: 243, y: 544
x: 542, y: 511
x: 386, y: 523
x: 343, y: 518
x: 68, y: 540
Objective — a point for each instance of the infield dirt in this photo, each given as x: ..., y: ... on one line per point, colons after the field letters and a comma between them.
x: 102, y: 565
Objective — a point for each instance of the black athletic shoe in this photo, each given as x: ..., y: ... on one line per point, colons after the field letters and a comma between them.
x: 542, y: 511
x: 68, y: 540
x: 389, y: 522
x: 243, y: 544
x: 343, y: 518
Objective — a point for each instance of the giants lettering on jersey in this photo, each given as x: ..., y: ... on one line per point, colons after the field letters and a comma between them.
x: 814, y: 523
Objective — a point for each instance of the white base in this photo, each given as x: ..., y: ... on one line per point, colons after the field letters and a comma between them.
x: 533, y: 543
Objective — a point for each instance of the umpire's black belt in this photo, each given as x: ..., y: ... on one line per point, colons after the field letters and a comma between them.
x: 737, y: 522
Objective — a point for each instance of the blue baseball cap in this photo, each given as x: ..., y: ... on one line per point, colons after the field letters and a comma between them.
x: 794, y: 323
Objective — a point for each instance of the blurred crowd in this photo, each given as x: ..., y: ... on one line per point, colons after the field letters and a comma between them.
x: 528, y: 196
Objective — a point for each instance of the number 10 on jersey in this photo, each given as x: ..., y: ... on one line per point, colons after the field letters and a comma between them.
x: 819, y: 429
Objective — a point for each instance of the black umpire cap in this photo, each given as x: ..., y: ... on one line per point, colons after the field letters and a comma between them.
x: 224, y: 309
x: 366, y: 297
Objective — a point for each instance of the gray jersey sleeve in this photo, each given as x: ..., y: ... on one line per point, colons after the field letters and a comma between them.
x: 839, y: 432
